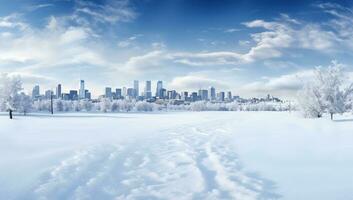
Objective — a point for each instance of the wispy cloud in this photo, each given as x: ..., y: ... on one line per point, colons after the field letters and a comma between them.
x: 39, y: 6
x: 109, y: 12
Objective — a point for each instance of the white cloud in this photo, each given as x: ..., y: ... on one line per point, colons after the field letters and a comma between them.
x: 149, y: 61
x: 232, y: 30
x: 341, y: 23
x: 285, y: 85
x: 39, y: 6
x: 12, y: 21
x: 277, y: 36
x: 110, y: 12
x: 158, y: 45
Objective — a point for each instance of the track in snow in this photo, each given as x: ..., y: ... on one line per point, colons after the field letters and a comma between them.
x: 183, y: 163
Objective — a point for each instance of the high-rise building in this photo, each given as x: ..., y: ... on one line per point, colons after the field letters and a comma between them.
x: 58, y: 91
x: 124, y: 92
x: 148, y: 93
x: 108, y: 92
x: 87, y: 95
x: 159, y: 90
x: 35, y: 92
x: 172, y: 94
x: 220, y: 96
x: 193, y: 96
x: 130, y: 92
x: 203, y: 94
x: 73, y: 95
x: 212, y: 93
x: 229, y: 96
x: 48, y: 94
x: 82, y: 89
x: 184, y: 96
x: 118, y: 93
x: 136, y: 89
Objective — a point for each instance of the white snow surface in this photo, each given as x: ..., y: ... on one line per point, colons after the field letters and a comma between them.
x: 176, y: 155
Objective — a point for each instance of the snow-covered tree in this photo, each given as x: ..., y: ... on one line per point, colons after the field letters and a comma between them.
x: 25, y: 103
x: 325, y: 93
x: 310, y: 101
x: 58, y: 105
x: 105, y: 105
x: 86, y: 105
x: 10, y: 86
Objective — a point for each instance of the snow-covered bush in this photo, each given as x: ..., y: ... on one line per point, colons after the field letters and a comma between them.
x: 145, y: 106
x: 105, y: 105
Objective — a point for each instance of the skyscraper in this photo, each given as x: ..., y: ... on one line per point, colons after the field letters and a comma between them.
x: 203, y: 94
x: 108, y: 92
x: 221, y: 96
x: 124, y: 92
x: 35, y: 92
x: 212, y: 93
x: 82, y: 89
x: 130, y: 92
x: 87, y: 95
x: 136, y: 88
x: 58, y: 91
x: 118, y: 93
x: 73, y: 95
x: 159, y: 89
x: 229, y: 95
x: 148, y: 93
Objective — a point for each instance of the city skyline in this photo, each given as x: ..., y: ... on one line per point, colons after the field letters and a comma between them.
x: 83, y: 93
x: 249, y: 47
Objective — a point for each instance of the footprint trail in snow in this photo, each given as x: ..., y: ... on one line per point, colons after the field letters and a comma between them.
x: 182, y: 163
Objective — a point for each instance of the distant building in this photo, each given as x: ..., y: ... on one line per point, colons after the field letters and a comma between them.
x: 108, y: 92
x: 58, y: 91
x: 65, y: 96
x: 148, y: 93
x: 82, y: 89
x: 48, y: 94
x: 35, y: 92
x: 172, y: 94
x: 87, y: 95
x: 184, y: 96
x: 212, y: 93
x: 118, y: 93
x: 73, y: 95
x: 124, y: 92
x: 193, y: 96
x: 220, y: 96
x: 229, y: 95
x: 159, y: 90
x: 203, y: 94
x: 130, y: 93
x: 136, y: 89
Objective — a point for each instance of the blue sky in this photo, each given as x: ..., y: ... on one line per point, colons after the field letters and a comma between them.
x: 249, y: 47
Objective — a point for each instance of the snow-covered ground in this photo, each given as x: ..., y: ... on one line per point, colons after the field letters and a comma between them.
x: 177, y: 155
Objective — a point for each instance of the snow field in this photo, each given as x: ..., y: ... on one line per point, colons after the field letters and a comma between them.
x: 178, y: 155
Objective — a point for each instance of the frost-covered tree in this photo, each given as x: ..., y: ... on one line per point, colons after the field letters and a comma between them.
x: 86, y: 105
x: 310, y: 101
x: 10, y: 86
x: 58, y: 105
x: 25, y: 103
x: 105, y: 105
x: 325, y: 93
